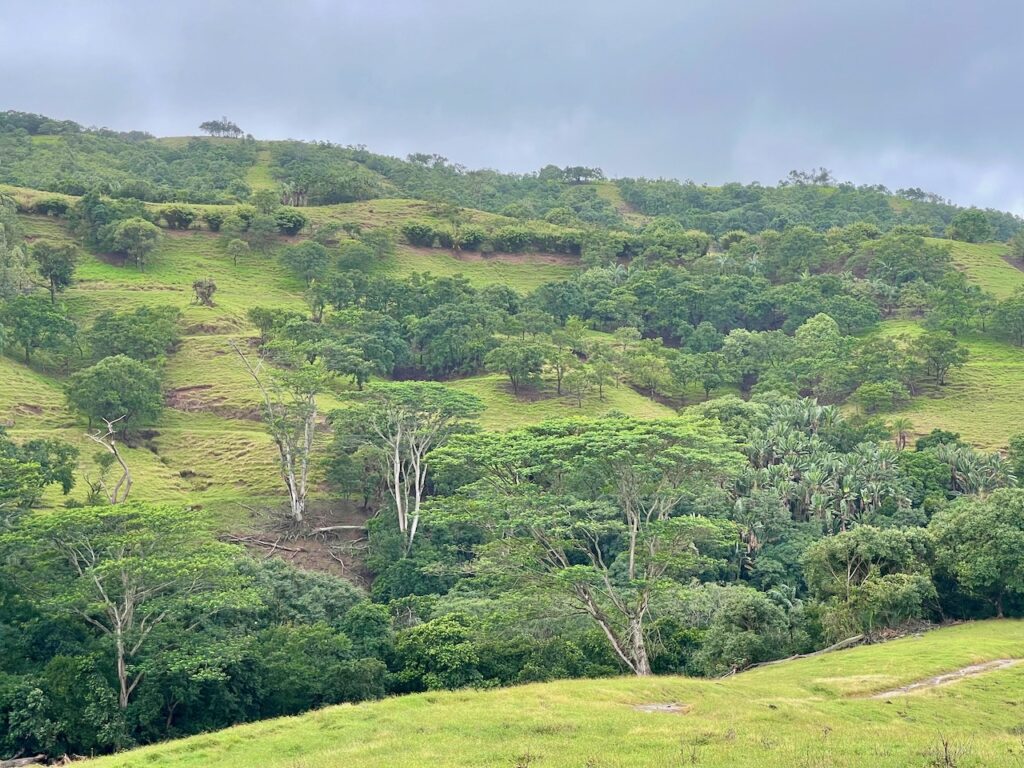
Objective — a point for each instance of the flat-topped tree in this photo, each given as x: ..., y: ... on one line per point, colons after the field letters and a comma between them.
x: 222, y: 128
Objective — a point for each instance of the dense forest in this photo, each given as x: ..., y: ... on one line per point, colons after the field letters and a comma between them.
x: 781, y: 501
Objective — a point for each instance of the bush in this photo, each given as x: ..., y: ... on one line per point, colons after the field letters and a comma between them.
x: 214, y: 219
x: 50, y: 206
x: 470, y: 238
x: 179, y: 216
x: 421, y: 233
x: 290, y: 221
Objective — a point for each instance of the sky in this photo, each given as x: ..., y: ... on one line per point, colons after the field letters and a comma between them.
x: 922, y: 93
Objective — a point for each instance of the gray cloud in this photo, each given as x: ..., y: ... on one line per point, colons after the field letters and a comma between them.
x: 906, y: 93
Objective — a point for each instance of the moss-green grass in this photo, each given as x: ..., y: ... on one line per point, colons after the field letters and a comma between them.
x: 984, y: 265
x: 808, y: 713
x: 981, y: 401
x: 504, y: 410
x: 258, y: 176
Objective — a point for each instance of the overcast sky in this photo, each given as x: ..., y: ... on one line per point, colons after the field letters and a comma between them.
x: 927, y: 93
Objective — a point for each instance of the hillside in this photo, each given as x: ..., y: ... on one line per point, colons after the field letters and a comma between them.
x: 811, y: 712
x: 481, y: 444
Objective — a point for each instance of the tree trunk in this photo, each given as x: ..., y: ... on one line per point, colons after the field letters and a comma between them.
x: 122, y: 671
x: 638, y: 649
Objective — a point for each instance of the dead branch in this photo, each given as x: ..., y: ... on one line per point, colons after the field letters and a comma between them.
x: 109, y: 442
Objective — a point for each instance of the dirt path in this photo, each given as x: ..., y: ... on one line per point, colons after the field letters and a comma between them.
x: 1015, y: 263
x: 949, y: 677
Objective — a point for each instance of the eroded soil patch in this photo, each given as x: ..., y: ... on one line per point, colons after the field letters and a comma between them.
x: 948, y: 677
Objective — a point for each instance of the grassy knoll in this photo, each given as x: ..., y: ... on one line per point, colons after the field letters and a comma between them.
x: 981, y: 401
x: 503, y: 410
x: 806, y: 713
x: 985, y: 266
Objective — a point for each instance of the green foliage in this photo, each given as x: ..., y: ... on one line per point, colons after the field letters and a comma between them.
x: 143, y: 334
x: 308, y: 261
x: 979, y: 544
x: 970, y: 225
x: 117, y: 387
x: 34, y: 323
x: 521, y: 362
x: 56, y: 265
x: 870, y: 578
x: 135, y: 238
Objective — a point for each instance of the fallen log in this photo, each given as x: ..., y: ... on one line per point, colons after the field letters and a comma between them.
x: 18, y: 762
x: 847, y: 643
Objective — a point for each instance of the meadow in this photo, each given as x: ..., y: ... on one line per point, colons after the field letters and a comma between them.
x: 806, y: 713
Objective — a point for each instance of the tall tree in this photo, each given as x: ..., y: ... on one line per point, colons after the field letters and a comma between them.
x: 596, y: 510
x: 56, y: 263
x: 290, y: 412
x: 142, y: 576
x: 406, y: 421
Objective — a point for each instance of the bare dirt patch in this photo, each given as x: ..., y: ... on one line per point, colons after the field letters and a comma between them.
x: 948, y: 677
x: 671, y: 707
x: 332, y: 539
x: 1015, y: 263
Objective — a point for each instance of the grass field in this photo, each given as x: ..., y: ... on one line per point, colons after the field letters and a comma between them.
x: 504, y: 410
x: 984, y: 265
x: 981, y: 401
x: 209, y: 447
x: 810, y: 713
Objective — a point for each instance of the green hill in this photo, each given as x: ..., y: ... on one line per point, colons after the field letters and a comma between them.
x: 821, y: 711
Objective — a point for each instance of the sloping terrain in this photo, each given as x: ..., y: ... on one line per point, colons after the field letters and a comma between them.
x: 819, y: 711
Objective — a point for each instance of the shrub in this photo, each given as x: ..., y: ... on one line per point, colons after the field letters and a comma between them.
x: 290, y: 221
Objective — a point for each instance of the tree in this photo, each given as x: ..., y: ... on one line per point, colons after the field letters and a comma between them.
x: 33, y: 323
x: 591, y: 510
x: 406, y: 421
x: 870, y: 578
x: 118, y: 494
x: 56, y: 264
x: 142, y: 576
x: 203, y: 290
x: 144, y: 334
x: 970, y: 225
x: 266, y: 200
x: 237, y: 249
x: 578, y: 383
x: 15, y: 264
x: 522, y: 362
x: 980, y: 544
x: 222, y: 127
x: 289, y: 397
x: 308, y: 261
x: 179, y: 216
x: 118, y: 389
x: 135, y: 238
x: 939, y: 351
x: 1009, y: 315
x: 903, y: 427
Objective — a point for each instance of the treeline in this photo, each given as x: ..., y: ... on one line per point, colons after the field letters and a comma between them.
x: 816, y: 204
x: 741, y: 532
x: 51, y: 156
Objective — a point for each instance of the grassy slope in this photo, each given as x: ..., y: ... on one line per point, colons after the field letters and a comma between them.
x: 806, y: 713
x: 985, y: 265
x: 208, y: 448
x: 981, y: 401
x: 504, y: 410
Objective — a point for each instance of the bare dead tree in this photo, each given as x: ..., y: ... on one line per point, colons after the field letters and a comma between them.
x: 119, y: 493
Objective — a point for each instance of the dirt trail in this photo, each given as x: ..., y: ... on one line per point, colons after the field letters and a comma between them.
x: 949, y: 677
